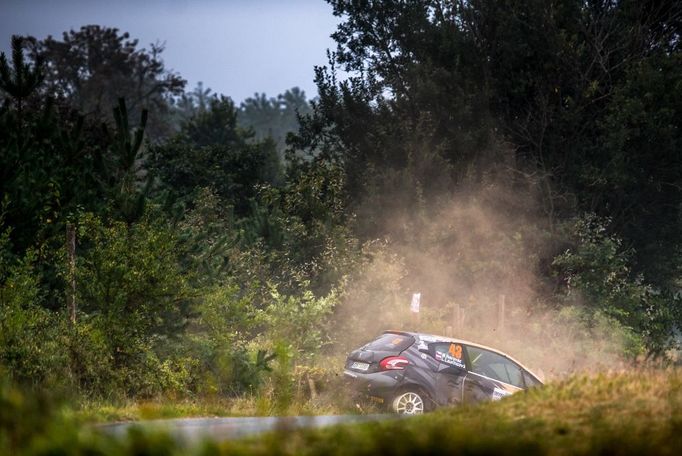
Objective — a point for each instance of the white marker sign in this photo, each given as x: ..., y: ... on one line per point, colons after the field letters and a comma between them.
x: 414, y: 305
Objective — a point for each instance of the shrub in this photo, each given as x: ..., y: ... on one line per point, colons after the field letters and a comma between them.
x: 133, y: 301
x: 598, y: 275
x: 30, y: 349
x: 300, y: 322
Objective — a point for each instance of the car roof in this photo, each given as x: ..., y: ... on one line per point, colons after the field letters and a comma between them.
x: 439, y: 338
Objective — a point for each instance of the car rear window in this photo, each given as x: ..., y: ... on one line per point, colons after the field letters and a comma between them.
x: 390, y: 342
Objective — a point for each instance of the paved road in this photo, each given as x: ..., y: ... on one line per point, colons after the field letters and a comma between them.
x: 194, y: 429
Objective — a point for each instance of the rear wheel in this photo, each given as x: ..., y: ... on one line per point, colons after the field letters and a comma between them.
x: 409, y: 402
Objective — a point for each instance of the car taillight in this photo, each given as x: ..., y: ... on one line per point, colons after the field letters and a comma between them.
x: 393, y: 363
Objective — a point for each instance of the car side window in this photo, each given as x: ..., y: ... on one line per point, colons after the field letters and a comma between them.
x: 530, y: 380
x: 449, y: 353
x: 494, y: 366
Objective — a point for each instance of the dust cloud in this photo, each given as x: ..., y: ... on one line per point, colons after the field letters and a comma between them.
x: 481, y: 260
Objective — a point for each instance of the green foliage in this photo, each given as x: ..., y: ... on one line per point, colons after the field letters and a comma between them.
x: 305, y: 228
x: 126, y: 147
x: 284, y: 317
x: 640, y: 180
x: 189, y: 104
x: 170, y: 308
x: 130, y: 274
x: 283, y: 378
x: 274, y: 118
x: 212, y: 152
x: 45, y: 165
x: 132, y: 292
x: 220, y: 337
x: 21, y: 415
x: 89, y: 69
x: 449, y: 161
x: 597, y: 273
x: 20, y: 81
x: 435, y: 88
x: 30, y: 342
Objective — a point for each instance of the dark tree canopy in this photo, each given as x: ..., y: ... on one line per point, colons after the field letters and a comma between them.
x: 274, y: 117
x: 212, y: 151
x: 584, y: 96
x: 466, y: 148
x: 91, y: 68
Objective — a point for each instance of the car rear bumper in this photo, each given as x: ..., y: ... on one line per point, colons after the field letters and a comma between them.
x: 376, y: 384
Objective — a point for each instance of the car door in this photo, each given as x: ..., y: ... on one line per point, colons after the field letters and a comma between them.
x: 450, y: 373
x: 491, y: 376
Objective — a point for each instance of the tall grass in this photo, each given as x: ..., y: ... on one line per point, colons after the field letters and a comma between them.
x: 635, y: 412
x: 638, y: 412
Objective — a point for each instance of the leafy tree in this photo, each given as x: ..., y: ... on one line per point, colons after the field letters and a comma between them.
x: 124, y: 184
x: 577, y: 101
x: 90, y: 69
x: 189, y: 104
x: 637, y: 177
x: 47, y: 163
x: 435, y: 88
x: 19, y: 81
x: 133, y: 293
x: 274, y: 118
x: 212, y: 151
x: 30, y: 352
x: 596, y: 273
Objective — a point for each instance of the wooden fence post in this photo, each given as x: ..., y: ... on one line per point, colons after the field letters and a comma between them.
x: 458, y: 318
x: 71, y: 289
x: 500, y: 312
x: 313, y: 389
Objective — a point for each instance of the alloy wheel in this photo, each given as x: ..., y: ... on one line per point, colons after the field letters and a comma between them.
x: 408, y: 403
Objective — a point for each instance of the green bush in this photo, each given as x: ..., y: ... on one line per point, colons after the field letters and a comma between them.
x: 300, y: 322
x: 598, y: 276
x: 30, y: 338
x: 218, y: 338
x: 133, y: 297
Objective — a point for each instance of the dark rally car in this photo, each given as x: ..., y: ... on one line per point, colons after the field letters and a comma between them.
x: 414, y: 372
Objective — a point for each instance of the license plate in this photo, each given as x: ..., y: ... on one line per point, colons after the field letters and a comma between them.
x: 359, y: 366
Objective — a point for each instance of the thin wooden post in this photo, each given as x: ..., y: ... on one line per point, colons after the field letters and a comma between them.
x: 313, y: 389
x: 71, y: 289
x: 415, y: 307
x: 458, y: 318
x: 501, y: 304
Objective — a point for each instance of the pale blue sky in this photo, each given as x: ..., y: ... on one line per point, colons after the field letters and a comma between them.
x: 236, y: 47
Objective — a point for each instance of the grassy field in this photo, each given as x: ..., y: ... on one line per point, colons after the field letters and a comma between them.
x: 103, y: 412
x: 616, y: 413
x: 633, y: 413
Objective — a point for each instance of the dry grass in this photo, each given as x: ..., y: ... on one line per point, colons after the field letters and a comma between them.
x: 638, y: 412
x: 296, y: 398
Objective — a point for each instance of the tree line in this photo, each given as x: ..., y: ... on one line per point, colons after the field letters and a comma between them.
x: 208, y: 233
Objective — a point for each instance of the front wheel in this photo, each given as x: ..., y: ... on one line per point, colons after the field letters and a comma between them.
x: 409, y: 403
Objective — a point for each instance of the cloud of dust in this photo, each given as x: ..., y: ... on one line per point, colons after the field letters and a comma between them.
x: 480, y: 260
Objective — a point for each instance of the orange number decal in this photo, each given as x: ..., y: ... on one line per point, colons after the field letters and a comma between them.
x: 455, y: 350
